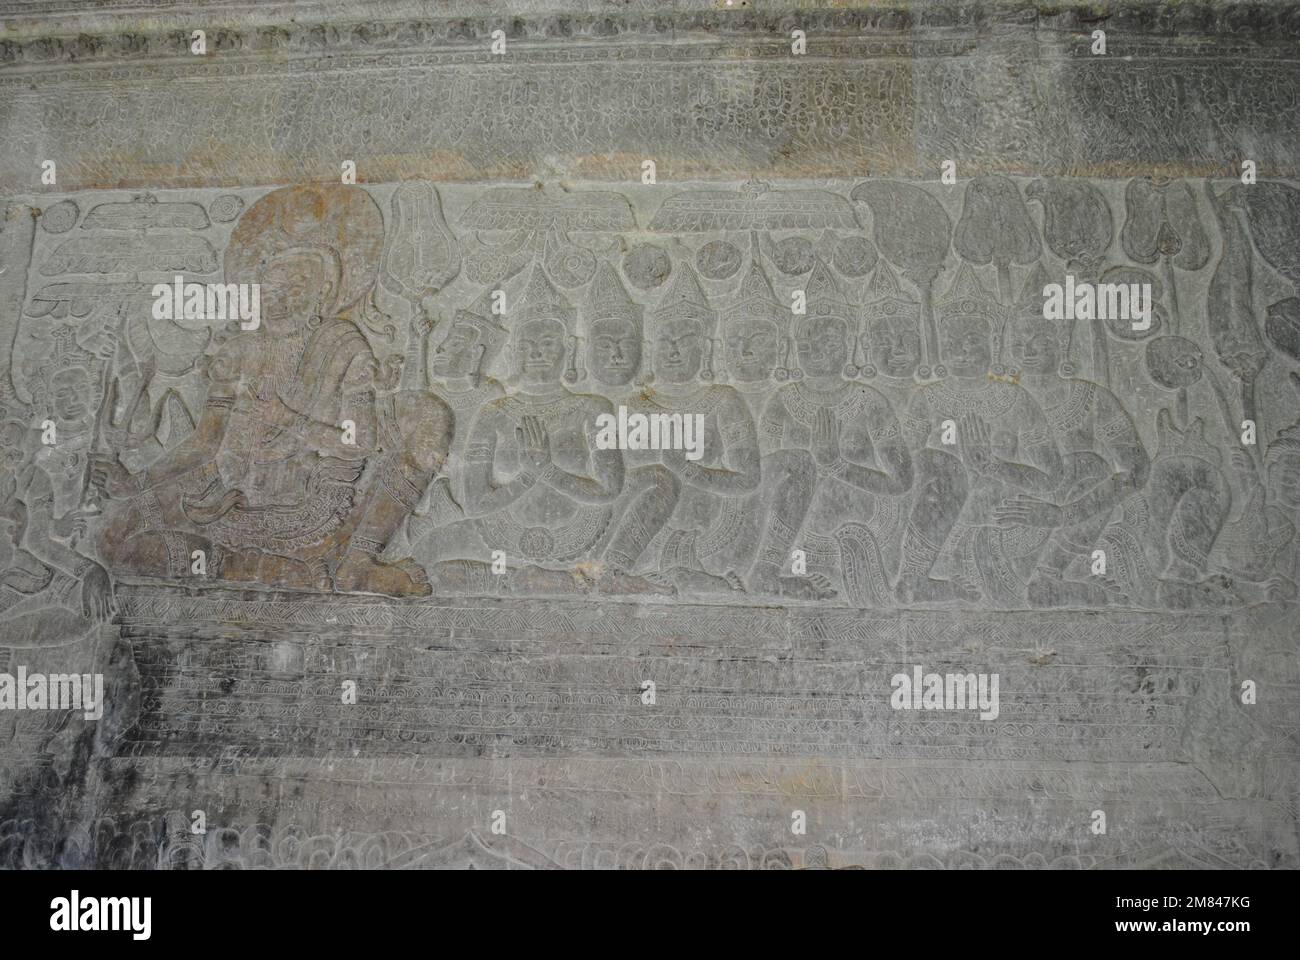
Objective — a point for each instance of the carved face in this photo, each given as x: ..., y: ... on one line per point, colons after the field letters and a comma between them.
x: 458, y: 353
x: 292, y: 289
x: 614, y: 351
x: 70, y: 392
x: 679, y: 351
x: 894, y: 346
x: 1284, y: 478
x: 12, y: 435
x: 1034, y: 348
x: 540, y: 349
x: 753, y: 348
x: 966, y: 348
x: 823, y: 346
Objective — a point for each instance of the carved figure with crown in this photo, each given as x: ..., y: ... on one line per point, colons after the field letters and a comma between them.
x: 1261, y: 546
x: 299, y: 471
x: 460, y: 352
x: 707, y: 505
x: 1103, y: 459
x: 753, y: 335
x: 839, y: 446
x: 535, y: 484
x: 1000, y: 444
x: 1170, y: 545
x: 615, y: 336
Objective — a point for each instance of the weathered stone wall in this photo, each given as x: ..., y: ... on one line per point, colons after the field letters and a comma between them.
x: 366, y: 583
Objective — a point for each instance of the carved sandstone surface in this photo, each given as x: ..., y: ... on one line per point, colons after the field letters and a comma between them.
x: 618, y: 506
x: 285, y: 93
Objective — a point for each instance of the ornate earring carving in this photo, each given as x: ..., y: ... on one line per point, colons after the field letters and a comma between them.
x: 572, y: 373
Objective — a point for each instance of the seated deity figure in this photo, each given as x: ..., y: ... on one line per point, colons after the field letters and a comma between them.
x: 467, y: 344
x: 1261, y: 547
x: 891, y: 320
x: 538, y: 488
x: 752, y: 335
x: 297, y: 474
x: 1162, y: 546
x: 614, y: 327
x: 1103, y: 459
x: 700, y: 505
x: 975, y: 441
x: 837, y: 447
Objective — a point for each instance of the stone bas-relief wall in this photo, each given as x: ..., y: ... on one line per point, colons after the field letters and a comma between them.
x: 366, y: 585
x: 497, y: 585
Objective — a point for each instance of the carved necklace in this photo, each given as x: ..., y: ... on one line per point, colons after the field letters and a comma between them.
x: 526, y: 405
x: 804, y: 404
x: 948, y: 396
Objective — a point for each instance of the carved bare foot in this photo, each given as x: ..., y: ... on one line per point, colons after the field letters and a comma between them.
x: 917, y: 589
x: 241, y: 566
x: 813, y: 586
x: 619, y: 582
x: 464, y: 576
x: 689, y: 580
x: 535, y: 579
x: 362, y: 573
x: 1046, y: 590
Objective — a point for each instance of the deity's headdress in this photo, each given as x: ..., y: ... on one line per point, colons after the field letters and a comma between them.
x: 968, y: 299
x: 823, y: 300
x: 885, y: 300
x: 339, y: 223
x: 1026, y: 319
x: 542, y: 301
x: 685, y: 300
x: 755, y: 300
x: 491, y: 336
x: 608, y: 299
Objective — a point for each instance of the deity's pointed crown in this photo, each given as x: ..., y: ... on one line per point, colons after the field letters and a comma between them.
x: 686, y: 300
x: 755, y: 298
x: 608, y: 299
x: 479, y: 316
x: 1031, y: 294
x: 967, y: 297
x: 541, y: 301
x: 886, y: 297
x: 824, y: 299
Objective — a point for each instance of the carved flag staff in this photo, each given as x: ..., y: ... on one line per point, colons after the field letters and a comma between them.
x: 1078, y: 229
x: 1161, y: 223
x: 421, y: 256
x: 1230, y: 306
x: 913, y: 232
x: 995, y: 227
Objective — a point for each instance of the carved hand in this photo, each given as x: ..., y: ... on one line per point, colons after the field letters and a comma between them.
x: 1244, y: 464
x: 97, y: 594
x: 826, y: 438
x: 271, y: 410
x: 1279, y: 590
x: 424, y: 320
x: 535, y: 442
x: 109, y: 475
x: 975, y: 444
x: 72, y: 523
x: 1029, y: 512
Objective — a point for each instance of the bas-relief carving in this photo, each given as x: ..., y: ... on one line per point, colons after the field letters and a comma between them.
x: 475, y: 431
